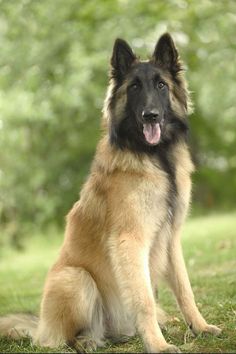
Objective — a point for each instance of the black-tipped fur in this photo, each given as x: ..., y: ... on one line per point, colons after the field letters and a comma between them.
x: 166, y: 54
x: 121, y: 60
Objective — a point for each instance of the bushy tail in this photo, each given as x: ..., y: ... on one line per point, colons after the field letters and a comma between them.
x: 18, y: 326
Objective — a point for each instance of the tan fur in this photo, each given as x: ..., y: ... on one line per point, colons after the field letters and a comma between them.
x: 120, y: 239
x: 17, y: 326
x: 118, y: 243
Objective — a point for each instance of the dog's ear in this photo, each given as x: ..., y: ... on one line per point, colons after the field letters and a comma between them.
x: 166, y: 54
x: 122, y: 59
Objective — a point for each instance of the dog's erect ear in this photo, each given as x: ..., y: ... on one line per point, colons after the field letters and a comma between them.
x: 122, y: 59
x: 166, y: 54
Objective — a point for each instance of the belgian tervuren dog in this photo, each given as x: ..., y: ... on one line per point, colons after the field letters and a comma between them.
x: 123, y: 235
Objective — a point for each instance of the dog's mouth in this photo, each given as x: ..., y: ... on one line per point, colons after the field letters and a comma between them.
x: 152, y: 133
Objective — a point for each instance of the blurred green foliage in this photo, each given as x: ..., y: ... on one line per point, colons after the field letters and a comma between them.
x: 53, y: 75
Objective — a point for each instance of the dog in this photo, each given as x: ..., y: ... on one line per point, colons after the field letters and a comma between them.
x: 123, y: 235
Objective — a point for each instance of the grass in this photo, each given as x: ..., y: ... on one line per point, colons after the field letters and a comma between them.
x: 210, y: 251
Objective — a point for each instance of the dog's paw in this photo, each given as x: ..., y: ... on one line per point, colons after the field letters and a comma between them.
x: 211, y: 329
x: 170, y: 348
x: 83, y: 344
x: 162, y: 348
x: 206, y: 329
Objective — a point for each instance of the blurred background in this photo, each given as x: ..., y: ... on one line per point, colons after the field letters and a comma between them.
x: 54, y: 62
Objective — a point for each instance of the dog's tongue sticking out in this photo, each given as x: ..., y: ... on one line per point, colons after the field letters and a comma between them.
x: 152, y: 133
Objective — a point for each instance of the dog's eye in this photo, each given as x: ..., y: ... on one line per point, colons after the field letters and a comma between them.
x: 161, y: 84
x: 134, y: 86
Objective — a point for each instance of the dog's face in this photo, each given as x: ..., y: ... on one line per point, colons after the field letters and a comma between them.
x: 147, y: 103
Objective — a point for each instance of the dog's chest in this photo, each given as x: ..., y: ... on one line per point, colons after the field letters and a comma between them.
x: 178, y: 167
x: 150, y: 201
x: 165, y: 197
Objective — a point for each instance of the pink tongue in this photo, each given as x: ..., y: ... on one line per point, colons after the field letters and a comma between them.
x: 152, y: 133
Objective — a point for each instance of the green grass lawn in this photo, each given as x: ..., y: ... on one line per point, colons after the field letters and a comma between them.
x: 210, y: 251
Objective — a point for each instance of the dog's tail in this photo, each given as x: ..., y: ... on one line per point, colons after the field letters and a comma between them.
x: 18, y: 326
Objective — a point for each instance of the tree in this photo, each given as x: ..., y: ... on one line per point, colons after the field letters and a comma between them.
x: 54, y: 62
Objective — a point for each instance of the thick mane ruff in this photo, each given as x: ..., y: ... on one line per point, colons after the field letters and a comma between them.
x: 184, y: 93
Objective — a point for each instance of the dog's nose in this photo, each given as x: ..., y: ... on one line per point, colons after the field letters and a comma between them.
x: 151, y: 116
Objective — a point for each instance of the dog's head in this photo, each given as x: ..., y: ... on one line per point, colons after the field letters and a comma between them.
x: 147, y: 101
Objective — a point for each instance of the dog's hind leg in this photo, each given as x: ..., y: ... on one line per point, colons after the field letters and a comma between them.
x: 71, y: 310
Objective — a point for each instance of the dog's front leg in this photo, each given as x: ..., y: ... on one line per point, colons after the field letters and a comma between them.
x: 178, y: 279
x: 130, y: 265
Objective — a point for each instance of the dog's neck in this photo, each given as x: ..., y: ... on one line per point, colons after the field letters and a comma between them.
x: 110, y: 158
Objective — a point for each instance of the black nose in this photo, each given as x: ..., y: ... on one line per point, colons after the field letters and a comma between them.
x: 151, y: 116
